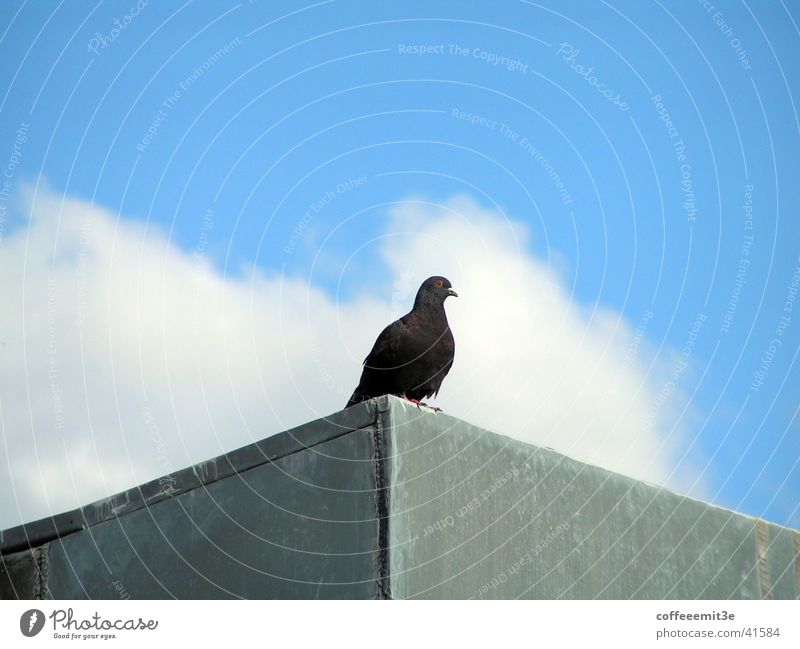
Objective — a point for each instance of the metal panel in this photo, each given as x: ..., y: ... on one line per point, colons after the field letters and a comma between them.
x: 302, y: 525
x: 387, y: 500
x: 474, y: 514
x: 20, y: 576
x: 292, y: 441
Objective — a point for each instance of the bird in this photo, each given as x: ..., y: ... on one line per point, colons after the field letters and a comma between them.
x: 411, y: 356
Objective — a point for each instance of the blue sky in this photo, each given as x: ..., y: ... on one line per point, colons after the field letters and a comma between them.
x: 650, y: 150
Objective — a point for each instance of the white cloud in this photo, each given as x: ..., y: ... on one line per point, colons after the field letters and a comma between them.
x: 530, y: 362
x: 126, y: 357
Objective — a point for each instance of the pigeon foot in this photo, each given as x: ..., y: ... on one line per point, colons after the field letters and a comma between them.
x: 419, y: 403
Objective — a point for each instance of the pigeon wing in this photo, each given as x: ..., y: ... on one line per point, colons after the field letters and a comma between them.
x: 390, y: 351
x: 390, y: 348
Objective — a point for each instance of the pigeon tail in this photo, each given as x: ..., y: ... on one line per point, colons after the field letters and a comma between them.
x: 357, y: 397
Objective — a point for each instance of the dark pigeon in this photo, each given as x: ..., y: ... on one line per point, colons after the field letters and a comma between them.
x: 412, y: 355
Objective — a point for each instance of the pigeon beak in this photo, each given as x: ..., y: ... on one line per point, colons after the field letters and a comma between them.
x: 450, y: 291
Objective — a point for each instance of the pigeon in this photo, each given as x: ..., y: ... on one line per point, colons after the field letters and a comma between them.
x: 412, y: 355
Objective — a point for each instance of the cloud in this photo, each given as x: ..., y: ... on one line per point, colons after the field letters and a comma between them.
x: 126, y: 357
x: 530, y: 361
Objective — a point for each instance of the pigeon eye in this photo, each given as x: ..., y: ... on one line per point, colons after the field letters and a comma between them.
x: 438, y: 283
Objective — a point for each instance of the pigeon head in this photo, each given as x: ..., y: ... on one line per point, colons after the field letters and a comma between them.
x: 434, y: 291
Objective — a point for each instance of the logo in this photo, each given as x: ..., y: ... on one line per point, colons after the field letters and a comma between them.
x: 31, y: 622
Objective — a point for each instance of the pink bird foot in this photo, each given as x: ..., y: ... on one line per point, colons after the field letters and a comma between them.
x: 419, y: 403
